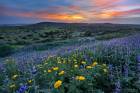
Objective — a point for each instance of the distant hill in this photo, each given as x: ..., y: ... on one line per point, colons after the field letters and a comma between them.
x: 47, y: 35
x: 52, y: 31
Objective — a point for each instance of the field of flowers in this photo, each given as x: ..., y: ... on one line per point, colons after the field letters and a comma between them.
x: 112, y: 66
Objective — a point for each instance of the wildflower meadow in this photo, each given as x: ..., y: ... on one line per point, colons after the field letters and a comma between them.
x: 70, y: 58
x: 106, y: 68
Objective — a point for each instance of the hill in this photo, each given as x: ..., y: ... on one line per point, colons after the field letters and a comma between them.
x: 46, y: 35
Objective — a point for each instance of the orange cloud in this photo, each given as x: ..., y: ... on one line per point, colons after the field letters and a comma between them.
x: 52, y: 16
x: 113, y: 14
x: 72, y: 7
x: 109, y: 14
x: 61, y: 17
x: 103, y: 3
x: 45, y: 15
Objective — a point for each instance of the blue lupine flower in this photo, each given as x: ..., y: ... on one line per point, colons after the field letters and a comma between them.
x: 110, y: 72
x: 138, y: 58
x: 87, y: 58
x: 138, y: 67
x: 94, y: 75
x: 81, y: 66
x: 34, y: 70
x: 117, y: 87
x: 125, y: 70
x: 22, y: 89
x: 110, y: 67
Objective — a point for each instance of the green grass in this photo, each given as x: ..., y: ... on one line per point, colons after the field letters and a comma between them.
x: 6, y: 50
x: 50, y: 32
x: 111, y: 36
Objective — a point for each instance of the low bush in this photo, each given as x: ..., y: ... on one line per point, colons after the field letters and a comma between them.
x: 6, y: 50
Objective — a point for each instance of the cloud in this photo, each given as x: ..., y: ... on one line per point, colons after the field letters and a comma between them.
x: 115, y: 14
x: 105, y: 3
x: 77, y: 11
x: 4, y: 9
x: 45, y: 15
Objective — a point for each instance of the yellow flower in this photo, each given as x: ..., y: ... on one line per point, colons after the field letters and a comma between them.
x: 50, y: 56
x: 14, y: 77
x: 44, y: 71
x: 39, y: 65
x: 75, y: 66
x: 12, y: 86
x: 74, y: 60
x: 61, y: 73
x: 105, y: 70
x: 30, y: 81
x: 59, y: 62
x: 45, y: 63
x: 104, y: 65
x: 89, y: 67
x: 57, y: 84
x: 7, y: 60
x: 81, y: 78
x: 64, y: 61
x: 83, y: 62
x: 55, y: 68
x: 94, y: 64
x: 49, y: 71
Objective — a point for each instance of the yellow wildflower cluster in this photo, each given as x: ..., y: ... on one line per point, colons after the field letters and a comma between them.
x: 104, y: 65
x: 83, y: 62
x: 12, y: 86
x: 59, y: 60
x: 76, y: 66
x: 39, y: 66
x: 45, y: 63
x: 105, y: 70
x: 49, y: 71
x: 89, y: 67
x: 61, y: 73
x: 14, y: 77
x: 55, y: 68
x: 57, y: 84
x: 44, y: 71
x: 94, y: 63
x: 81, y: 78
x: 30, y: 81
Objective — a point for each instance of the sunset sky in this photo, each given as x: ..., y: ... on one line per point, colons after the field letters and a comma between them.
x: 85, y: 11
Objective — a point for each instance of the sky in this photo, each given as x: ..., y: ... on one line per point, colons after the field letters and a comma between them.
x: 70, y: 11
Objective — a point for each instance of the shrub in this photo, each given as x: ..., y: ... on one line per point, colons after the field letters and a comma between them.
x: 6, y: 50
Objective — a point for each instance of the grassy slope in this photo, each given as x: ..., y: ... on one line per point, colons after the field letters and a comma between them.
x: 49, y: 32
x: 50, y: 35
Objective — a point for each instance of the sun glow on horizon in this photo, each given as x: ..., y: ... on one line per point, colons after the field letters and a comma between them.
x: 63, y: 17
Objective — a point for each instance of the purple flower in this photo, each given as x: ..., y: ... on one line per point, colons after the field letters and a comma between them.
x: 110, y: 72
x: 117, y: 87
x: 138, y: 67
x: 138, y: 58
x: 22, y: 89
x: 34, y: 70
x: 81, y: 66
x: 125, y: 69
x: 87, y: 58
x: 110, y: 67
